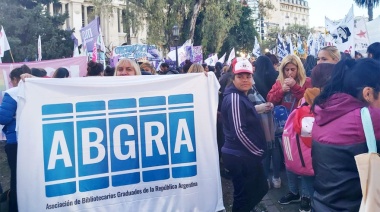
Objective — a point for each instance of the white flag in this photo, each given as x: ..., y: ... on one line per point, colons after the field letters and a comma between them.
x: 172, y: 55
x: 76, y: 50
x: 289, y: 45
x: 374, y: 30
x: 231, y: 56
x: 212, y: 60
x: 181, y: 52
x: 310, y: 45
x: 320, y: 41
x: 361, y: 36
x: 39, y: 49
x: 187, y: 43
x: 100, y: 41
x: 342, y: 33
x: 256, y: 48
x: 222, y: 59
x: 4, y: 45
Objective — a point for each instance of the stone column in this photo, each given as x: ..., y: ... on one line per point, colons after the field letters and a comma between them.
x: 51, y: 9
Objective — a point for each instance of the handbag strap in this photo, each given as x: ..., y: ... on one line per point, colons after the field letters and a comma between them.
x: 368, y: 130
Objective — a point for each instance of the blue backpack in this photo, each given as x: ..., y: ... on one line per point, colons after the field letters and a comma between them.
x: 280, y: 115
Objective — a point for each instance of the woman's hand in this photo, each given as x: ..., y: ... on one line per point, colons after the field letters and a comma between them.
x: 26, y: 75
x: 285, y: 88
x: 290, y: 82
x: 264, y: 107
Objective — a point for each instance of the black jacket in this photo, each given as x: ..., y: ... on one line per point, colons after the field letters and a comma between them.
x: 242, y: 128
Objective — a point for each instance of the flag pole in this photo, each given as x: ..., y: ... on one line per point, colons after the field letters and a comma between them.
x: 10, y: 51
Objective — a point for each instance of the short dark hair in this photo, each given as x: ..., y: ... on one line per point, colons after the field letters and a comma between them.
x: 272, y: 58
x: 350, y: 77
x: 94, y: 68
x: 61, y: 73
x: 16, y: 73
x: 26, y: 69
x: 164, y: 65
x: 36, y: 72
x: 374, y: 49
x: 109, y: 71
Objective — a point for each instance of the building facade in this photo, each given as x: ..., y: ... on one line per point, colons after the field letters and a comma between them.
x: 285, y: 13
x: 81, y: 12
x: 294, y: 12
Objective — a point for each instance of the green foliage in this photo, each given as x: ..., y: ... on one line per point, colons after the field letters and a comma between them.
x: 294, y: 30
x: 241, y: 36
x: 265, y: 7
x: 271, y: 38
x: 369, y: 4
x: 23, y: 26
x: 160, y: 16
x: 213, y: 22
x: 30, y: 4
x: 218, y: 21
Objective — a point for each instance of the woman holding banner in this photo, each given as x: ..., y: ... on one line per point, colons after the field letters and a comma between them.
x: 245, y: 144
x: 8, y: 109
x: 127, y: 67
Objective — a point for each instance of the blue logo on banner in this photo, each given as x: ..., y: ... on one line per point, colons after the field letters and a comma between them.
x: 94, y: 145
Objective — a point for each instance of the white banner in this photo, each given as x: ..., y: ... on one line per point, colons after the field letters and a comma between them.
x: 140, y: 143
x: 342, y: 34
x: 374, y: 30
x: 361, y: 36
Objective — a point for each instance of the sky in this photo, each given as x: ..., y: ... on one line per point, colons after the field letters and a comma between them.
x: 337, y: 10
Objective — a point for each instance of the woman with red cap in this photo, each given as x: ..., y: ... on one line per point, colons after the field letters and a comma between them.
x: 245, y: 144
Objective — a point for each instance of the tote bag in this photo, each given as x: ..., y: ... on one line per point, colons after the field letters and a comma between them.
x: 368, y: 167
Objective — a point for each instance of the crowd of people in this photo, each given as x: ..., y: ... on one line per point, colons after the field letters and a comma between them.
x: 334, y: 85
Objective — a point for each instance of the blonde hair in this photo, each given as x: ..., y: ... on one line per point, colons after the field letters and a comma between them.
x: 333, y: 52
x: 131, y: 62
x: 295, y: 60
x: 225, y: 69
x: 148, y: 65
x: 196, y: 68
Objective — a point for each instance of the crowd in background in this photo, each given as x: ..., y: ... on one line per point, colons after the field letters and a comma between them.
x: 333, y: 84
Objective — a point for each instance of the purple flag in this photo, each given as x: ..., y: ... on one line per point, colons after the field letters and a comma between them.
x: 90, y: 33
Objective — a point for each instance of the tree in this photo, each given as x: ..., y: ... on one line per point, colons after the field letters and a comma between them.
x: 205, y: 22
x: 23, y: 26
x: 296, y: 30
x: 159, y: 15
x: 369, y: 4
x: 270, y: 41
x: 216, y: 25
x: 242, y: 36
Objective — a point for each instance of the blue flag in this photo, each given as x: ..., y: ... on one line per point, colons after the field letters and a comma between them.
x: 281, y: 51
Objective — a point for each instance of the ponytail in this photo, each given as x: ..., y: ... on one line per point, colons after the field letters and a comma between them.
x: 336, y: 82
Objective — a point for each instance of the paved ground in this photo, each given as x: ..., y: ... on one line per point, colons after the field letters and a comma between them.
x: 269, y: 202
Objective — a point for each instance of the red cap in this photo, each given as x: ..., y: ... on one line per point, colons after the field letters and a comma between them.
x: 243, y: 66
